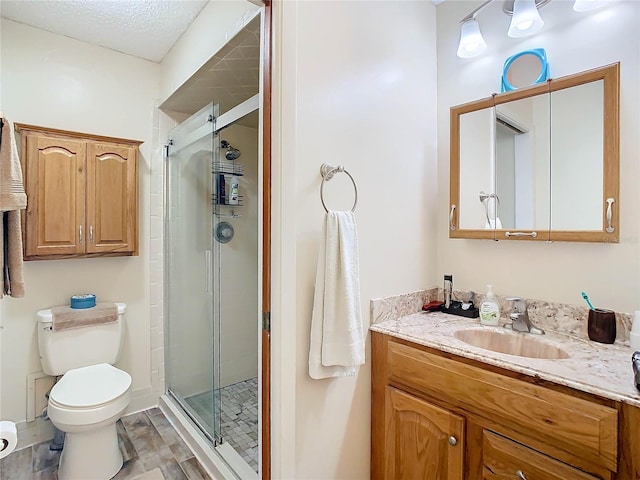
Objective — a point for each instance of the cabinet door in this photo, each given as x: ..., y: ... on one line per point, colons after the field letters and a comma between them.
x: 55, y: 182
x: 112, y: 198
x: 504, y: 459
x: 422, y: 441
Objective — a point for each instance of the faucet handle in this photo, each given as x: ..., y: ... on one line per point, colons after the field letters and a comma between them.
x: 519, y: 304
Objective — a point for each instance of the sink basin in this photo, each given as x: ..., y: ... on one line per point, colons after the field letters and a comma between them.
x: 520, y: 344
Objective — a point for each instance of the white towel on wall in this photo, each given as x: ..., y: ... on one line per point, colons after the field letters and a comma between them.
x: 337, y: 334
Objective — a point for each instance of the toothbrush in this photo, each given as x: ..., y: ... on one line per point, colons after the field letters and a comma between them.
x: 586, y: 299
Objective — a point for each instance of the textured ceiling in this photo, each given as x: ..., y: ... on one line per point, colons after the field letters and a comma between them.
x: 143, y: 28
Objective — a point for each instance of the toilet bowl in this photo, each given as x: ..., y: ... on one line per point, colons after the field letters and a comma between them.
x: 86, y: 403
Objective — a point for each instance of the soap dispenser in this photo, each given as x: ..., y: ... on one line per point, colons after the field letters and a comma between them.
x: 489, y: 309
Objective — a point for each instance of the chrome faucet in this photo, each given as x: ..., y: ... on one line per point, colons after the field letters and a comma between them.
x: 520, y: 317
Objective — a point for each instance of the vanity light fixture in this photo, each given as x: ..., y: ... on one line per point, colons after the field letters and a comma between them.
x: 471, y: 42
x: 525, y: 21
x: 586, y: 5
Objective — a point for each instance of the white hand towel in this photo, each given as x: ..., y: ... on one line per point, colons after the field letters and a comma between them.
x: 337, y: 334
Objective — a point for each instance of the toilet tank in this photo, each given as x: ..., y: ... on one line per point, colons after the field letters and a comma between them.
x: 62, y: 350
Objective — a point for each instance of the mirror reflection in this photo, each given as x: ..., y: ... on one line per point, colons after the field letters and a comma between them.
x: 522, y: 163
x: 577, y: 116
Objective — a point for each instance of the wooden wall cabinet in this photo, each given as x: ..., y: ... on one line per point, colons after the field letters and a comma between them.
x: 82, y: 194
x: 440, y: 417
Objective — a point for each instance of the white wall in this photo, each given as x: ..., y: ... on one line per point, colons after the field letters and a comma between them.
x: 574, y: 42
x: 354, y: 84
x: 239, y: 269
x: 54, y: 81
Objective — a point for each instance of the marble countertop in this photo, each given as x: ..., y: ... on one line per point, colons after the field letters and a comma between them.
x: 600, y: 369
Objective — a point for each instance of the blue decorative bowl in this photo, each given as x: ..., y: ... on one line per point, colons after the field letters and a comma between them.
x: 85, y: 300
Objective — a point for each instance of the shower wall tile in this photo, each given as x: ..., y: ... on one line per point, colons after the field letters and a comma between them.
x: 155, y: 227
x: 155, y: 294
x: 162, y: 123
x: 156, y: 205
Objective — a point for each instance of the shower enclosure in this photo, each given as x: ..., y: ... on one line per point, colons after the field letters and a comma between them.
x: 211, y: 276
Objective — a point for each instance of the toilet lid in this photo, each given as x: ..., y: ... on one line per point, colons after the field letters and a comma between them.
x: 90, y: 386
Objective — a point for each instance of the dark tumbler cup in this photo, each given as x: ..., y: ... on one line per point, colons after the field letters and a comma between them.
x: 602, y: 325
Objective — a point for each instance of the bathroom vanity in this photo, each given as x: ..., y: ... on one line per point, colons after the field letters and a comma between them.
x: 445, y: 409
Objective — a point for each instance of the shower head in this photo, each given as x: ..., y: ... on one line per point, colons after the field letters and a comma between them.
x: 232, y: 153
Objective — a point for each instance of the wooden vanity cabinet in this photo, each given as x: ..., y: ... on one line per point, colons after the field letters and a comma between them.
x: 424, y: 441
x: 502, y: 425
x: 82, y: 194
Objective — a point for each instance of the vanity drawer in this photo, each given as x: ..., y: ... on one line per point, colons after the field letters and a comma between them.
x: 504, y: 459
x: 579, y: 427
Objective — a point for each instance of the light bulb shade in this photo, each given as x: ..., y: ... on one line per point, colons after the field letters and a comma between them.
x: 526, y: 19
x: 471, y: 41
x: 586, y: 5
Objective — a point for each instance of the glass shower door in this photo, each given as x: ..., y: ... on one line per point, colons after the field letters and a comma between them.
x: 192, y: 272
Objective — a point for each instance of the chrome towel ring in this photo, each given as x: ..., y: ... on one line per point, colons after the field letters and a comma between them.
x: 328, y: 171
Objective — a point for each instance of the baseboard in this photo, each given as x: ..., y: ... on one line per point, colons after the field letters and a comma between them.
x: 32, y: 433
x: 201, y: 447
x: 142, y: 399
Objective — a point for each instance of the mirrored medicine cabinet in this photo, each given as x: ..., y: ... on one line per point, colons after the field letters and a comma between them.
x: 539, y: 163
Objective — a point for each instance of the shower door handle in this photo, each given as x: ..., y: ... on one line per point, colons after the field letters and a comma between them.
x: 207, y: 261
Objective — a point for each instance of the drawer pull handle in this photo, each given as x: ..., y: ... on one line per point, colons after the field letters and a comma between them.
x: 453, y: 441
x: 520, y: 475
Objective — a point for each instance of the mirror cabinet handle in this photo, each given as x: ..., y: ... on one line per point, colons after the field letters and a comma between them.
x: 451, y: 224
x: 609, y: 228
x: 521, y: 234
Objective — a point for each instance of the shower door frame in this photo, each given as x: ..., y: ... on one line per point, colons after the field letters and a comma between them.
x: 265, y: 363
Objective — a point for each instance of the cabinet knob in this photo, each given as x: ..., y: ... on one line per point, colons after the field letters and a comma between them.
x: 453, y: 441
x: 520, y: 475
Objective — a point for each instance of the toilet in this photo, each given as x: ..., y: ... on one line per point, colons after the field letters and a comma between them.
x: 89, y: 398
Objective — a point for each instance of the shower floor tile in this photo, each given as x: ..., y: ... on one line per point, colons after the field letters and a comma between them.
x: 147, y: 441
x: 239, y: 417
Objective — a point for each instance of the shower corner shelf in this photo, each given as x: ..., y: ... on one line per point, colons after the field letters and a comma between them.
x: 221, y: 209
x: 227, y: 169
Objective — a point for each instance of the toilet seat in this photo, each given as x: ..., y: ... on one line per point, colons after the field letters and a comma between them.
x: 90, y: 387
x: 89, y: 395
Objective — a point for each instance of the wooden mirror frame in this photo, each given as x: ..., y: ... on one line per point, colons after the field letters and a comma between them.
x: 610, y: 75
